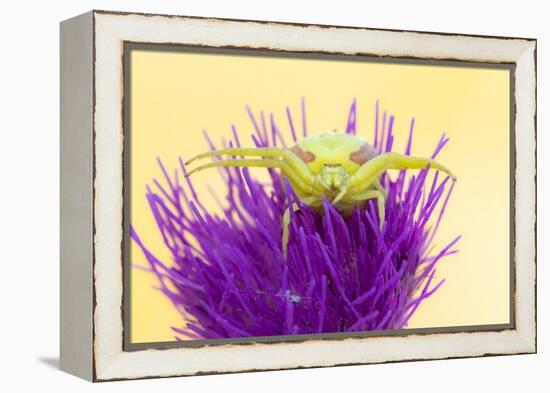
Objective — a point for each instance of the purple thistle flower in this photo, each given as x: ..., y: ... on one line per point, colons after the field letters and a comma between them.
x: 231, y: 279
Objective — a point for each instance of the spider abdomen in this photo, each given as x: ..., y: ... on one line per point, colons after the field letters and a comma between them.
x: 331, y: 149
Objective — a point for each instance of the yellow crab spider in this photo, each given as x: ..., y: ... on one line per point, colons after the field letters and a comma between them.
x: 344, y: 168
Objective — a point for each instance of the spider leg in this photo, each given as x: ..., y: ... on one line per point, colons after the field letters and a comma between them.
x: 345, y: 190
x: 302, y: 181
x: 286, y: 220
x: 292, y: 167
x: 286, y: 231
x: 378, y: 186
x: 380, y: 199
x: 369, y: 172
x: 340, y: 195
x: 271, y: 152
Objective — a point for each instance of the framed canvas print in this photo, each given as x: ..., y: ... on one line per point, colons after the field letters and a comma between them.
x: 246, y: 195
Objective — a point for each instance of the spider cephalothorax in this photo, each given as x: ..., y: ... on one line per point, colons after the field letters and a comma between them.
x: 344, y: 168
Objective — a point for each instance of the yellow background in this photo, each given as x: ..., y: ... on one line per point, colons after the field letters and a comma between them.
x: 176, y: 94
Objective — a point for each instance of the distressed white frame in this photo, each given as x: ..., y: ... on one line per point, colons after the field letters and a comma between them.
x: 95, y: 350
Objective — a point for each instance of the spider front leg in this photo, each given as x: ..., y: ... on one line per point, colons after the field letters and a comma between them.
x: 294, y: 163
x: 296, y: 172
x: 370, y: 171
x: 291, y: 166
x: 302, y: 180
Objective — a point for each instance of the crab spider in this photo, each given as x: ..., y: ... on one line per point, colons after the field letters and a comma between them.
x: 343, y: 168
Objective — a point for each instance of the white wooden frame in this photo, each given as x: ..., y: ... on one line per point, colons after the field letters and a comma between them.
x: 92, y: 195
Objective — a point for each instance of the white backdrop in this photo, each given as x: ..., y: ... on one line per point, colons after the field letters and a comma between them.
x: 29, y: 183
